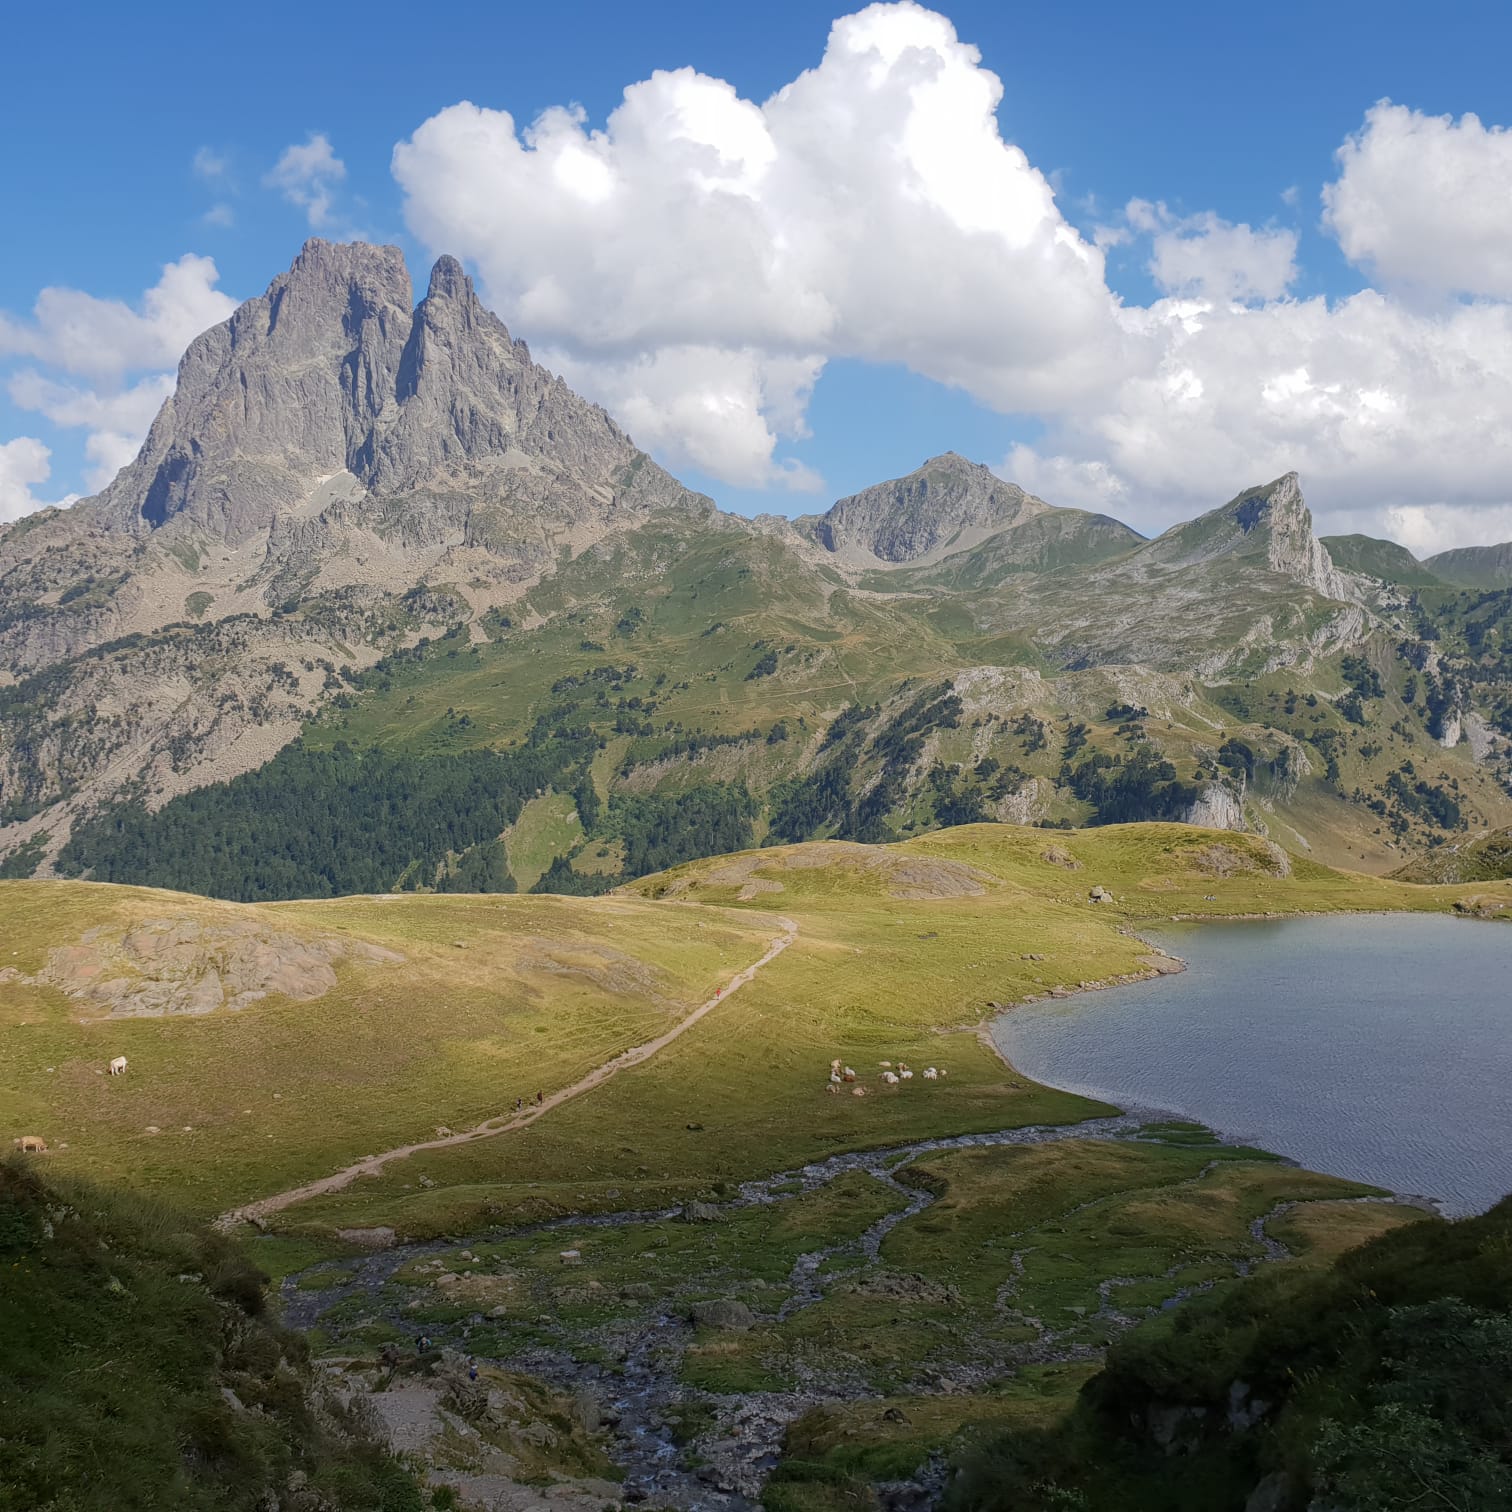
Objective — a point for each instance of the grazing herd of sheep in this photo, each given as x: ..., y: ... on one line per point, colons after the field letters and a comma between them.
x: 842, y: 1075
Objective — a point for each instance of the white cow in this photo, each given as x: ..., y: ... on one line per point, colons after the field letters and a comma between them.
x: 118, y: 1066
x: 890, y: 1077
x: 906, y: 1075
x: 834, y: 1076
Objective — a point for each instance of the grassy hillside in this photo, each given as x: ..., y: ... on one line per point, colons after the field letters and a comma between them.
x: 1475, y: 566
x: 140, y: 1370
x: 1380, y: 559
x: 388, y: 1018
x: 442, y: 1010
x: 678, y: 658
x: 1488, y: 858
x: 1382, y: 1381
x: 474, y: 1003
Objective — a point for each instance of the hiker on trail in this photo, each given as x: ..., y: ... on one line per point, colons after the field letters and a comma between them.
x: 472, y: 1368
x: 423, y: 1345
x: 519, y: 1104
x: 540, y: 1098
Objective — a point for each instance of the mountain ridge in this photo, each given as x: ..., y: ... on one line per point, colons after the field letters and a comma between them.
x: 345, y: 477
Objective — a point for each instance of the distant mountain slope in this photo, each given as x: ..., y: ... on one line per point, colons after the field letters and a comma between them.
x: 1485, y: 859
x: 330, y: 454
x: 330, y: 436
x: 367, y: 520
x: 1380, y: 559
x: 1474, y: 566
x: 1267, y: 526
x: 951, y: 506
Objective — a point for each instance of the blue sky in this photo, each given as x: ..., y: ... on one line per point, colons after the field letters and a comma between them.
x: 1233, y: 113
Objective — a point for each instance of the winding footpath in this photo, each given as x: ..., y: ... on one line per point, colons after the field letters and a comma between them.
x: 508, y: 1123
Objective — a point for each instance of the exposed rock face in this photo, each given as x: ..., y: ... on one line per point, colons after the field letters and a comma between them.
x: 167, y: 966
x: 1271, y: 522
x: 331, y: 373
x: 946, y: 505
x: 1216, y: 808
x: 327, y: 449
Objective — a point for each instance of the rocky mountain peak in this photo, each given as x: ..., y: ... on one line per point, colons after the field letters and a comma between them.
x: 1269, y: 524
x: 948, y: 504
x: 333, y: 371
x: 448, y: 280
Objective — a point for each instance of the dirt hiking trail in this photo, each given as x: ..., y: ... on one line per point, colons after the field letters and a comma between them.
x: 506, y: 1123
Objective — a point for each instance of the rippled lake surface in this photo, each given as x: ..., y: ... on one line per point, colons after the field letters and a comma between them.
x: 1377, y: 1048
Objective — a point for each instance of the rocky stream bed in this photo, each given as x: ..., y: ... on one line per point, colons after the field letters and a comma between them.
x: 703, y: 1451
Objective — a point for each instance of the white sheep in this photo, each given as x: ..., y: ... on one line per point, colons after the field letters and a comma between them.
x: 890, y: 1077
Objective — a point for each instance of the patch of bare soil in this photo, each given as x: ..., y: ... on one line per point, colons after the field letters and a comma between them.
x: 1058, y: 857
x: 168, y: 966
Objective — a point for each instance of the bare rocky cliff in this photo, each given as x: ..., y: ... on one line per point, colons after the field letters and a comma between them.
x: 332, y: 371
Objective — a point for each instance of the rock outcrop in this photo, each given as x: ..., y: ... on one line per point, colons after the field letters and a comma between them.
x: 1270, y: 524
x: 1216, y: 807
x: 183, y: 965
x: 328, y: 452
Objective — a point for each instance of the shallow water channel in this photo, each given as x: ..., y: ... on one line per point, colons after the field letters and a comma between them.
x: 1374, y: 1047
x: 644, y: 1392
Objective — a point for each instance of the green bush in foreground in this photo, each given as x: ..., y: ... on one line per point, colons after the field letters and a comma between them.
x: 138, y: 1370
x: 1384, y: 1382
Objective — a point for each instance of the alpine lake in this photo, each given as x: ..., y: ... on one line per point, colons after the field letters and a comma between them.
x: 1374, y: 1047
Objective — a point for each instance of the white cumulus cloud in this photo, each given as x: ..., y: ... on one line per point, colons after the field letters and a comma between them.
x: 117, y: 422
x: 106, y: 361
x: 870, y: 208
x: 104, y: 338
x: 1378, y: 407
x: 307, y: 174
x: 1216, y: 259
x: 1426, y: 202
x: 695, y: 261
x: 24, y: 463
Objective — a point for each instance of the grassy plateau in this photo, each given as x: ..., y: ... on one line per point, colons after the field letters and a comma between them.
x: 921, y: 1302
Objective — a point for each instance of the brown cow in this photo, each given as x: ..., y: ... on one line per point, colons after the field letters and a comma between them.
x: 32, y: 1144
